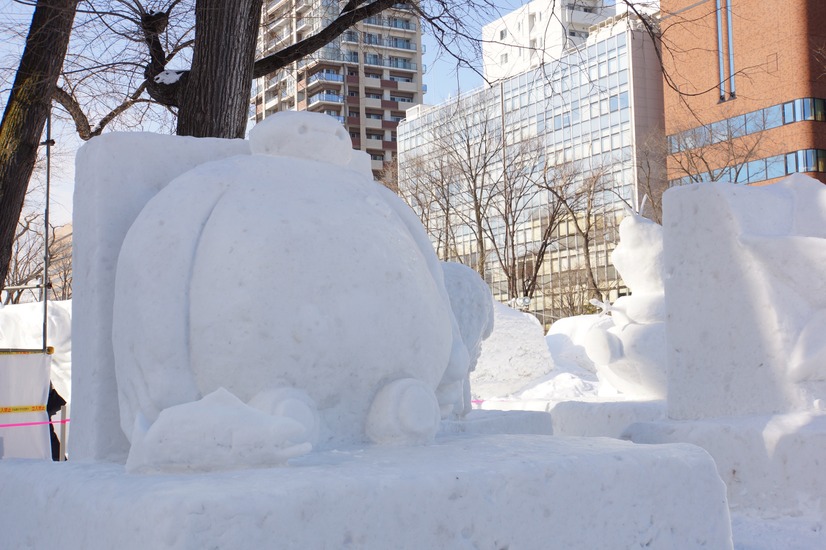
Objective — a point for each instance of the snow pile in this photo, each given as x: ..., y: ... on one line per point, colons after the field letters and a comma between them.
x: 214, y: 432
x: 367, y: 332
x: 513, y: 359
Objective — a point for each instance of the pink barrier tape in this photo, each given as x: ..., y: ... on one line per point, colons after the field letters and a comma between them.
x: 34, y: 423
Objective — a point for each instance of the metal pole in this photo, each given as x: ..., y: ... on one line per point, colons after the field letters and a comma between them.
x: 63, y: 433
x: 45, y: 282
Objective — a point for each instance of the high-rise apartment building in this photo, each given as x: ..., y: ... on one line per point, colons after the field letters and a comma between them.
x: 366, y: 78
x: 745, y: 89
x: 537, y: 33
x: 482, y: 169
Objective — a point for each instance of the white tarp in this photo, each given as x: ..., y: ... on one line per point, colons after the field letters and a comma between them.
x: 24, y: 389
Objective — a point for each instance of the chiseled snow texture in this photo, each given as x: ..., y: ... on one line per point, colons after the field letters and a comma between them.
x: 628, y: 346
x: 745, y: 294
x: 514, y: 357
x: 116, y: 174
x: 268, y: 271
x: 544, y: 492
x: 21, y: 326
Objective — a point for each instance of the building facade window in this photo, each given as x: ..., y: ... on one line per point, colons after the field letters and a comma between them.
x: 798, y: 110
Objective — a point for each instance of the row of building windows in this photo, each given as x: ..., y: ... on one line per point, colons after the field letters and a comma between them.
x: 807, y: 108
x: 755, y: 171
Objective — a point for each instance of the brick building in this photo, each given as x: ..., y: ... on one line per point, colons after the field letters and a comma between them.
x: 745, y: 89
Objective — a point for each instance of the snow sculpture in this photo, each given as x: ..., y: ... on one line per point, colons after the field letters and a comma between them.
x: 219, y: 304
x: 745, y: 293
x: 628, y: 348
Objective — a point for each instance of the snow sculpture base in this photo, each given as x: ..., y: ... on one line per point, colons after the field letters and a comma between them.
x: 603, y: 418
x: 772, y: 465
x: 480, y: 492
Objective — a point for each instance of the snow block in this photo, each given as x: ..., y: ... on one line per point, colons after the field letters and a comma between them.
x: 481, y: 492
x: 500, y: 422
x: 116, y: 176
x: 772, y: 465
x: 745, y: 291
x: 602, y: 419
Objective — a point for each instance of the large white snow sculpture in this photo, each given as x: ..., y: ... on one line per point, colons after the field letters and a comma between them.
x: 628, y: 347
x: 259, y: 273
x: 746, y: 298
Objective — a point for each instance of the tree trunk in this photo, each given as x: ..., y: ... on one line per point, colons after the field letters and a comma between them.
x: 27, y: 110
x: 216, y: 99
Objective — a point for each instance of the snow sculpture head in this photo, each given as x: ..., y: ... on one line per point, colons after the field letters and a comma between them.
x: 294, y: 282
x: 295, y: 134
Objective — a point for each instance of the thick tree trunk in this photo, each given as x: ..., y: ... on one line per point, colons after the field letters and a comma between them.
x: 27, y: 110
x: 215, y: 102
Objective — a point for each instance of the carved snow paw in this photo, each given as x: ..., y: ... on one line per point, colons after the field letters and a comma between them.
x: 404, y: 411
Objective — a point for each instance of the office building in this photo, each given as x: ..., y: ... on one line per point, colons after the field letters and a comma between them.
x: 537, y: 33
x: 366, y: 78
x: 579, y: 124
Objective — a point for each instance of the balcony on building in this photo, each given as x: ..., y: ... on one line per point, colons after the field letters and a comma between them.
x: 582, y: 15
x: 400, y: 44
x: 274, y: 7
x: 324, y: 77
x: 324, y: 97
x: 391, y: 23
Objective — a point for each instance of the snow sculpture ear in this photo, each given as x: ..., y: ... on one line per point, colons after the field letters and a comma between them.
x: 312, y: 136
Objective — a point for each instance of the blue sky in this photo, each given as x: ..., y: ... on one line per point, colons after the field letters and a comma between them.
x: 442, y: 77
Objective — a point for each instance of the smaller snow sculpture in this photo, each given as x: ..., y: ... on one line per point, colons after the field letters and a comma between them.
x: 472, y: 304
x: 628, y: 347
x: 292, y: 293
